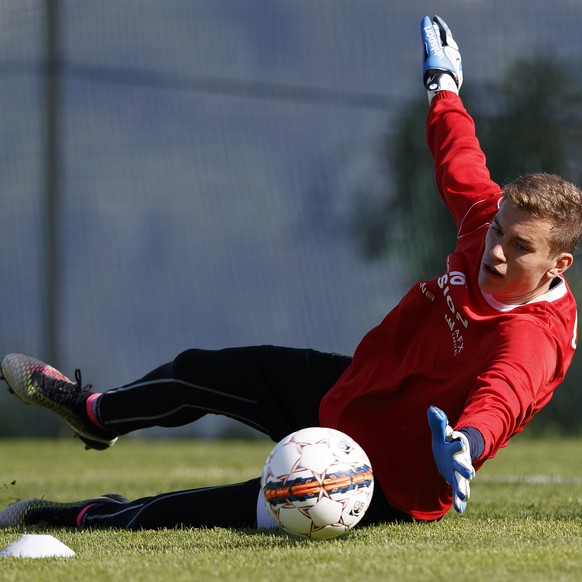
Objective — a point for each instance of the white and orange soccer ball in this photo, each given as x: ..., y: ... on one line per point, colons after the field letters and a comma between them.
x: 317, y: 483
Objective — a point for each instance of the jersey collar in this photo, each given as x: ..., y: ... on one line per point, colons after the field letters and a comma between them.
x: 556, y: 291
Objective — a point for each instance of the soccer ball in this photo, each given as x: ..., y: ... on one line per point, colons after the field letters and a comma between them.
x: 317, y: 483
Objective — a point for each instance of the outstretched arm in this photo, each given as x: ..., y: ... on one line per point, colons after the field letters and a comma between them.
x: 461, y: 173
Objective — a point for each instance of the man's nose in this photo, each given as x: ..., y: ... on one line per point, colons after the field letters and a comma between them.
x: 497, y: 252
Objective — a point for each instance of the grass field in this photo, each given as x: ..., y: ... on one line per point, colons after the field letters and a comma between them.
x: 523, y: 522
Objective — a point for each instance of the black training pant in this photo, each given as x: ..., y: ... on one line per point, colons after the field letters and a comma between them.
x: 275, y: 390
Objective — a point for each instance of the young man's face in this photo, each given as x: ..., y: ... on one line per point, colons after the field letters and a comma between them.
x: 517, y: 264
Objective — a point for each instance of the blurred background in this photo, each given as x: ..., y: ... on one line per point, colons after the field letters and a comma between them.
x: 213, y: 173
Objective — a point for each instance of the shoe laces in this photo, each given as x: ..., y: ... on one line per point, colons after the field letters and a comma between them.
x: 60, y: 389
x: 79, y: 381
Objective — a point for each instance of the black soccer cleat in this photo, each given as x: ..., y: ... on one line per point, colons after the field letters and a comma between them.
x: 43, y: 512
x: 39, y: 384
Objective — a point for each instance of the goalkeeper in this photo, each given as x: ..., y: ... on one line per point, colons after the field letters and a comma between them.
x: 480, y: 350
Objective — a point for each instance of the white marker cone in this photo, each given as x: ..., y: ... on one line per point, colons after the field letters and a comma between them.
x: 37, y: 546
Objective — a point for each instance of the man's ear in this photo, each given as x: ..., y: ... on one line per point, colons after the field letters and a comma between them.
x: 561, y: 263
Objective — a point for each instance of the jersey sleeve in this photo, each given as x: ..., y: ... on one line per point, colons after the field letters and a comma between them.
x: 519, y: 380
x: 462, y: 177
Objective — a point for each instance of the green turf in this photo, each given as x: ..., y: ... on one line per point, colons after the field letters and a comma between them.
x: 523, y: 521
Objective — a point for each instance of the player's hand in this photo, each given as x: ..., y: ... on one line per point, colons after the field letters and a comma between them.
x: 442, y: 65
x: 452, y: 456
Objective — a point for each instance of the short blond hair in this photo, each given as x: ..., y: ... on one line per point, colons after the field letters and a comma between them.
x: 550, y: 197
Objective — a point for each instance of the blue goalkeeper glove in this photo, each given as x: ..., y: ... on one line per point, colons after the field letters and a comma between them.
x: 452, y: 456
x: 442, y: 66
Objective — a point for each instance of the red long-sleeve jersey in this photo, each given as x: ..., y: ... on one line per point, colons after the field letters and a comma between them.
x: 487, y: 365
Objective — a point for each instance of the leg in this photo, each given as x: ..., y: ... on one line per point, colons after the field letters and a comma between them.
x: 227, y: 506
x: 275, y: 390
x: 224, y: 506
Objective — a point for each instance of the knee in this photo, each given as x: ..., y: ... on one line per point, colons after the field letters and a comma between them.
x: 184, y: 362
